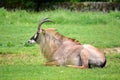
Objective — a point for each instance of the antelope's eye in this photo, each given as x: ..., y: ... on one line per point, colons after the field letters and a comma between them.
x: 43, y: 31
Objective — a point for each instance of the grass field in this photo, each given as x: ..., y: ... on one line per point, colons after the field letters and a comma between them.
x: 20, y: 61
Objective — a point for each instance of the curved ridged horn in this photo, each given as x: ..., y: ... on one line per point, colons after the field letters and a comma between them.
x: 43, y: 21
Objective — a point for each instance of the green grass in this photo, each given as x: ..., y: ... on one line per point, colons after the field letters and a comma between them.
x: 20, y: 61
x: 37, y: 72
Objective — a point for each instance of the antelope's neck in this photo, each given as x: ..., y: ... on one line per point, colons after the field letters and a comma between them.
x: 49, y: 44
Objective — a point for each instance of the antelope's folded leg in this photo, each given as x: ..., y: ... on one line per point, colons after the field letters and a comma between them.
x: 78, y: 67
x: 52, y: 63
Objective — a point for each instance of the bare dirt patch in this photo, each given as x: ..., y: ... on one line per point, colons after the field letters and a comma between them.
x: 111, y: 50
x: 20, y: 59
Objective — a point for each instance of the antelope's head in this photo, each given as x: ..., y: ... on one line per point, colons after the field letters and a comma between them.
x: 40, y: 32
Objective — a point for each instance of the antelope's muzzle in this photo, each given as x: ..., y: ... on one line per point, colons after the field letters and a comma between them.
x: 31, y: 41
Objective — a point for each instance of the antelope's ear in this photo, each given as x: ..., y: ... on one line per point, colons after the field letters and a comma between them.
x: 43, y: 31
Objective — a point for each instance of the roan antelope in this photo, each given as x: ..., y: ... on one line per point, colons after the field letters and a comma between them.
x: 62, y: 51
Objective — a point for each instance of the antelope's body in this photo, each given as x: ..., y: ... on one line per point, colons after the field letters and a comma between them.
x: 63, y: 51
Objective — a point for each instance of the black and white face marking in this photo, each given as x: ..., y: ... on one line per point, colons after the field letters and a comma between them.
x: 33, y: 39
